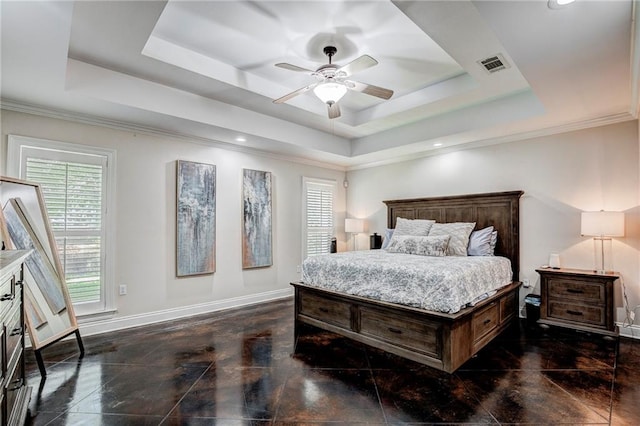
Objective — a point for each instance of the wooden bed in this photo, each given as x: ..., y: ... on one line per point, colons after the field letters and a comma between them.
x: 443, y: 341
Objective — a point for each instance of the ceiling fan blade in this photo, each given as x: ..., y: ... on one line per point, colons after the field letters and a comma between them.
x: 334, y: 110
x: 369, y: 89
x: 292, y: 67
x: 300, y: 91
x: 359, y: 64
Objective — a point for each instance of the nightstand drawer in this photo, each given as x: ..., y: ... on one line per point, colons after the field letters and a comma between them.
x: 583, y: 314
x: 576, y: 290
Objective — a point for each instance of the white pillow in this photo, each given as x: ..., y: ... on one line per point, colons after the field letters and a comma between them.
x: 419, y: 227
x: 420, y: 245
x: 494, y: 241
x: 480, y: 242
x: 388, y: 233
x: 459, y: 232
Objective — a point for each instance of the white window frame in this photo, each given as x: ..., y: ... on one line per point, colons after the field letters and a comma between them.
x: 16, y: 161
x: 305, y: 183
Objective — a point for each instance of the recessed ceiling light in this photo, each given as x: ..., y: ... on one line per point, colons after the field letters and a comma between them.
x: 437, y: 144
x: 241, y: 139
x: 558, y: 4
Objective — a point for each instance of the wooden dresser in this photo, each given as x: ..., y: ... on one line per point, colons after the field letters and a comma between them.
x: 15, y: 393
x: 578, y: 298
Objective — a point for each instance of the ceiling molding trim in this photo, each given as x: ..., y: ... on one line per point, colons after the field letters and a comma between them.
x: 16, y: 106
x: 565, y: 128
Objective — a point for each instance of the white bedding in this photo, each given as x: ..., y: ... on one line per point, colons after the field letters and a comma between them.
x: 445, y: 284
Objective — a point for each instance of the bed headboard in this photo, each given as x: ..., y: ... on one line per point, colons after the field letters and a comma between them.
x: 498, y: 209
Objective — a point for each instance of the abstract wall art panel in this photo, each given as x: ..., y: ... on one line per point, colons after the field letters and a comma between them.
x: 196, y: 219
x: 38, y: 264
x: 256, y: 229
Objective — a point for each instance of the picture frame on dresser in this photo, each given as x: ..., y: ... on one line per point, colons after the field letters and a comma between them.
x: 54, y: 321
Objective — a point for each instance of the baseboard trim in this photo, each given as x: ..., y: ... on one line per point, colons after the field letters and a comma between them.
x: 631, y: 331
x: 121, y: 323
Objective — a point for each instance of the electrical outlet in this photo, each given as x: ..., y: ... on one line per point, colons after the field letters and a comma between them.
x: 525, y: 282
x: 123, y: 289
x: 298, y: 269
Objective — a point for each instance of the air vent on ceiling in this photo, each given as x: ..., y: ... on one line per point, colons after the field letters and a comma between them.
x: 494, y: 64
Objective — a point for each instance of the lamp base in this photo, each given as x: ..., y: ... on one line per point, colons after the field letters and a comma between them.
x: 603, y: 272
x: 602, y: 255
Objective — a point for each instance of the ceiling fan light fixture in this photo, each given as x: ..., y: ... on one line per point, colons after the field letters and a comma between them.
x: 330, y: 92
x: 558, y: 4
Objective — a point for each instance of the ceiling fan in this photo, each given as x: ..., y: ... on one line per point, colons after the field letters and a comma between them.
x: 333, y: 81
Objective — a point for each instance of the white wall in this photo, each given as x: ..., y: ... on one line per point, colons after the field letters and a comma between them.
x: 145, y: 215
x: 561, y: 176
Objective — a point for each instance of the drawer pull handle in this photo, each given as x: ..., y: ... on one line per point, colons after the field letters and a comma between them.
x: 16, y: 331
x: 395, y: 330
x: 487, y: 321
x: 17, y: 384
x: 7, y: 296
x: 574, y: 312
x: 325, y: 310
x: 574, y: 291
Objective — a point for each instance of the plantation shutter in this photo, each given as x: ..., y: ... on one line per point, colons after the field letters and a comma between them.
x: 319, y: 217
x: 73, y: 193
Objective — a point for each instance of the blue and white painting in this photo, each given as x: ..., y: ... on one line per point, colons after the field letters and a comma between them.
x: 256, y: 230
x: 196, y: 219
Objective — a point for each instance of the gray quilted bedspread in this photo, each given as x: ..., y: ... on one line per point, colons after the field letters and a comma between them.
x: 443, y: 284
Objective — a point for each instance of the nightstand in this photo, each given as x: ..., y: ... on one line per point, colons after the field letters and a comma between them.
x: 579, y: 299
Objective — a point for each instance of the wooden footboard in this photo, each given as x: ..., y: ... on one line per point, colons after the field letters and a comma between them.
x: 441, y: 341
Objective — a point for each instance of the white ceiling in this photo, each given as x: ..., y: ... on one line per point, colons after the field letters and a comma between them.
x: 205, y: 70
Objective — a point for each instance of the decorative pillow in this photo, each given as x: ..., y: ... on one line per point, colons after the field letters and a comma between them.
x: 388, y: 233
x: 420, y: 245
x: 459, y: 232
x: 494, y: 241
x: 480, y: 242
x: 418, y: 227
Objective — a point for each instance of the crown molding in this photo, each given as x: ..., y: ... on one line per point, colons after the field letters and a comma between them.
x: 514, y: 137
x: 11, y: 105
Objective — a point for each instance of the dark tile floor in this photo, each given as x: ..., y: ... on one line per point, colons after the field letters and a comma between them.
x: 239, y: 367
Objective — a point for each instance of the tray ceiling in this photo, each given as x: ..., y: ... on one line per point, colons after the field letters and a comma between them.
x: 205, y: 70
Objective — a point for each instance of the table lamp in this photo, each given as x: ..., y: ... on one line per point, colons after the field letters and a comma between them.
x: 602, y: 226
x: 353, y: 227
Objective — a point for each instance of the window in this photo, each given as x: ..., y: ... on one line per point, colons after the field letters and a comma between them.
x: 74, y: 180
x: 318, y: 216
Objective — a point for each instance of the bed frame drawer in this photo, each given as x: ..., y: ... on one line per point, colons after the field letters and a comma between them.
x: 332, y: 311
x: 485, y: 321
x: 508, y: 307
x: 403, y: 331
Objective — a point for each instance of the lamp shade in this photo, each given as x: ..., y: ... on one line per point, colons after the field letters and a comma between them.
x: 330, y: 92
x: 354, y: 226
x: 602, y: 224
